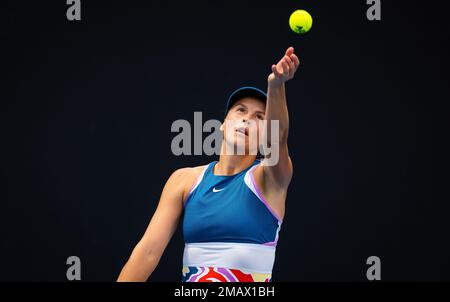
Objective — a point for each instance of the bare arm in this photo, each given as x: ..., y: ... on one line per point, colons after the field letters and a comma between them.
x: 278, y: 177
x: 147, y: 253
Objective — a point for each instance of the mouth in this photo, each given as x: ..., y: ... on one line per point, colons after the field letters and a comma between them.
x: 242, y: 130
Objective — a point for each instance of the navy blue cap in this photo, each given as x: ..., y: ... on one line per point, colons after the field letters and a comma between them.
x: 243, y: 92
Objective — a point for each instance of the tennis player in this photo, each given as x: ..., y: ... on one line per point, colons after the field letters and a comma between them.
x: 233, y: 208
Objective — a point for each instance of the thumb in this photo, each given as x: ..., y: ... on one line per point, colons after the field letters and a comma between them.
x: 274, y: 69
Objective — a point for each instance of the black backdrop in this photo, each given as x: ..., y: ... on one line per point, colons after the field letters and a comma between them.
x: 86, y: 110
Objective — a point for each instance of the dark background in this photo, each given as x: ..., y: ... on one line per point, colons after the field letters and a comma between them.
x: 86, y: 110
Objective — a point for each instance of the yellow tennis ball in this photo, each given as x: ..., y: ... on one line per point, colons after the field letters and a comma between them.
x: 300, y: 21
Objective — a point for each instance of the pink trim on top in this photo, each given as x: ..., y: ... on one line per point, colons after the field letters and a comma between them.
x: 261, y: 197
x: 272, y: 243
x: 197, y: 182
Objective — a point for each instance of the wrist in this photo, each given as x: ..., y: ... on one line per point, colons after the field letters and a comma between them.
x: 275, y: 84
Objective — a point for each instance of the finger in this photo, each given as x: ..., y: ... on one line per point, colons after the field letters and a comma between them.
x: 287, y: 59
x: 289, y: 51
x: 278, y: 69
x: 274, y: 70
x: 291, y: 63
x: 285, y: 68
x: 292, y: 68
x: 295, y: 59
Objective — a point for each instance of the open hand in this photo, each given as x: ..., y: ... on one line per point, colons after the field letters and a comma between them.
x: 285, y: 69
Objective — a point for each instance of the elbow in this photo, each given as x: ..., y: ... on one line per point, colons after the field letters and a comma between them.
x: 284, y: 136
x: 280, y: 140
x: 143, y: 258
x: 140, y: 265
x: 146, y: 252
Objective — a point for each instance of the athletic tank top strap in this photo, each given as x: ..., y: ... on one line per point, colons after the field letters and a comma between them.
x: 197, y: 182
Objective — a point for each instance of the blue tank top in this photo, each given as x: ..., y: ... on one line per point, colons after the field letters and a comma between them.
x: 229, y: 209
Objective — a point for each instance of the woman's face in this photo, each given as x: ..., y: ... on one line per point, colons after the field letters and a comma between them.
x: 242, y: 126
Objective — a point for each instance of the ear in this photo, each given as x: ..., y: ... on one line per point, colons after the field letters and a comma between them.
x: 221, y: 126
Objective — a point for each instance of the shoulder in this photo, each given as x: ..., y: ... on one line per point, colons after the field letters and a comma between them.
x: 185, y: 178
x: 188, y: 172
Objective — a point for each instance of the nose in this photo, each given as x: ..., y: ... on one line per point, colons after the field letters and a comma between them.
x: 246, y: 121
x: 246, y: 118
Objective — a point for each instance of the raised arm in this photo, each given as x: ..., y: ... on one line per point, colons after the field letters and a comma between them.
x: 278, y: 176
x: 147, y: 253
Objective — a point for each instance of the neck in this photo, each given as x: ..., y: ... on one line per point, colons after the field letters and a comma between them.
x: 232, y: 164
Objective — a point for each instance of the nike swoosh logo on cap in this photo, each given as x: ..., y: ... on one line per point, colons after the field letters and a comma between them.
x: 217, y: 190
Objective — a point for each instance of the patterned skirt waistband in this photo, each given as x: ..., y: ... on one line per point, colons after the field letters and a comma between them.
x: 217, y: 274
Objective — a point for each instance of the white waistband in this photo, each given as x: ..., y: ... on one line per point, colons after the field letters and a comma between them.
x: 254, y: 258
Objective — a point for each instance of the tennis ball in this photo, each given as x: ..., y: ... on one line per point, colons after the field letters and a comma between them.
x: 300, y: 21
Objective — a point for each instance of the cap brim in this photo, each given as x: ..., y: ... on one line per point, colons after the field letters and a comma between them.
x: 244, y: 92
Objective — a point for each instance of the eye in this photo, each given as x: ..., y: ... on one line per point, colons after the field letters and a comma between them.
x: 260, y: 117
x: 240, y: 109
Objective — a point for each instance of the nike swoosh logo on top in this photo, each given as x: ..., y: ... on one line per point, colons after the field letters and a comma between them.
x: 217, y: 190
